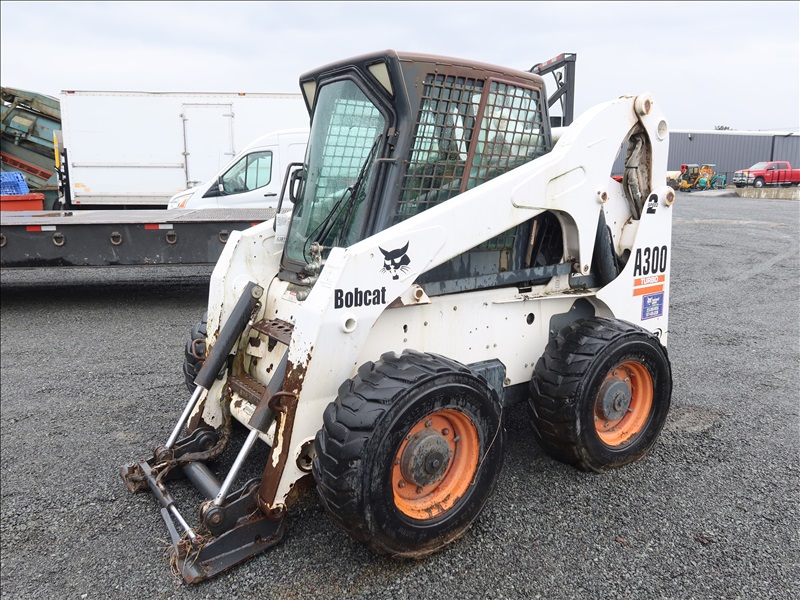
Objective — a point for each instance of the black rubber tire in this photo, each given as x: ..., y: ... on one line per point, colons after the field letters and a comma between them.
x: 566, y: 383
x: 366, y: 426
x: 196, y: 344
x: 758, y: 183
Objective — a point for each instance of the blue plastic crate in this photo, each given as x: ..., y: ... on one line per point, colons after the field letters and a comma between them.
x: 13, y: 183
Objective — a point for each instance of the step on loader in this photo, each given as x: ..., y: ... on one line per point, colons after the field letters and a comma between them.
x: 448, y: 253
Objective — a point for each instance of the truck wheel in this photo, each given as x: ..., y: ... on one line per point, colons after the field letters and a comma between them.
x: 195, y: 353
x: 600, y: 394
x: 759, y: 183
x: 409, y: 453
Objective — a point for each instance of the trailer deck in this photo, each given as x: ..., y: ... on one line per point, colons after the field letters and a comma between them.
x: 120, y: 237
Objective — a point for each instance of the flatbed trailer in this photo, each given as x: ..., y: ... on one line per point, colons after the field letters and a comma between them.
x: 120, y: 237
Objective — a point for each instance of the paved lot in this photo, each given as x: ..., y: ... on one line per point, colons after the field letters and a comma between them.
x: 91, y: 379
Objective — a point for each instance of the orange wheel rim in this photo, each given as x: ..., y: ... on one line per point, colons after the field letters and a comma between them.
x: 617, y: 424
x: 446, y: 441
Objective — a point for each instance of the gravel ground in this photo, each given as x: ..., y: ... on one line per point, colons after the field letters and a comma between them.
x: 91, y: 379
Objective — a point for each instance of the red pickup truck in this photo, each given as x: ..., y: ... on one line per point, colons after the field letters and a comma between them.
x: 767, y: 173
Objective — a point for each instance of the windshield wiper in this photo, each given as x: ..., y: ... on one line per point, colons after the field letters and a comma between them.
x: 346, y: 203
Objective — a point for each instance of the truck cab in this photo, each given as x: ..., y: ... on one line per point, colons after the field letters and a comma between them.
x: 767, y: 173
x: 253, y: 178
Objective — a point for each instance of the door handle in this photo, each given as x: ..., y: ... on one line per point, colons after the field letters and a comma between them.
x: 268, y: 194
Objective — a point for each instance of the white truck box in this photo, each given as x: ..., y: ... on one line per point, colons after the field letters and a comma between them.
x: 137, y: 149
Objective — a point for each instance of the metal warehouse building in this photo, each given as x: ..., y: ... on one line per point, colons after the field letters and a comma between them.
x: 729, y: 150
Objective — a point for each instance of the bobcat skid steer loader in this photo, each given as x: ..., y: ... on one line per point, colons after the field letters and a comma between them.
x: 448, y: 253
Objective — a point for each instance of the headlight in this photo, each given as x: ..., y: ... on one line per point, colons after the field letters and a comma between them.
x: 178, y: 201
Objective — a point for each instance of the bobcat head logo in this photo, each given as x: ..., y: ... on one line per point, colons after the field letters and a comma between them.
x: 395, y: 261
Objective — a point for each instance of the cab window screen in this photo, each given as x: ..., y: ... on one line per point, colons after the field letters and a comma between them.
x: 444, y: 131
x: 511, y: 132
x: 467, y: 133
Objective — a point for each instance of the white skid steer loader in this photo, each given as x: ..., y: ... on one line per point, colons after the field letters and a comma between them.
x: 448, y: 253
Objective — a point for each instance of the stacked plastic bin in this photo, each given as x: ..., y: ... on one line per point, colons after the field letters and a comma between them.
x: 15, y: 194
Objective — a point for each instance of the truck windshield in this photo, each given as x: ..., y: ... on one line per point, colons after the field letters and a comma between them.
x: 758, y: 166
x: 342, y: 148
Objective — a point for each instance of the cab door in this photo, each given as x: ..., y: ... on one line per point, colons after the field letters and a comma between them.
x: 781, y: 174
x: 250, y: 182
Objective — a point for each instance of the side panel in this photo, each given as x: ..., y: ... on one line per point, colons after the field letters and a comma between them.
x: 122, y: 149
x: 641, y: 292
x: 493, y: 324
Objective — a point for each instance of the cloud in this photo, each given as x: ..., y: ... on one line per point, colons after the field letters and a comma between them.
x: 708, y: 63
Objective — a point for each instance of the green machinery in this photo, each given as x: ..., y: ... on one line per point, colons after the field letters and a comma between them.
x: 28, y: 123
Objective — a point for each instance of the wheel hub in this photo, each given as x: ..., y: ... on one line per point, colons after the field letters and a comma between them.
x: 425, y: 458
x: 615, y: 399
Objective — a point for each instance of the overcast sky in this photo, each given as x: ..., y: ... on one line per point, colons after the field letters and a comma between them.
x: 735, y: 64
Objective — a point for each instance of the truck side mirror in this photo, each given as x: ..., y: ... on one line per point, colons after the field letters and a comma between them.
x: 214, y: 190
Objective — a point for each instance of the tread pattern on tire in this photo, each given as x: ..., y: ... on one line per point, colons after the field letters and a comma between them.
x: 555, y: 386
x: 348, y: 426
x: 191, y: 364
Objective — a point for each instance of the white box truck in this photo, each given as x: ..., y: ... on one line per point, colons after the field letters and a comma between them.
x: 139, y: 149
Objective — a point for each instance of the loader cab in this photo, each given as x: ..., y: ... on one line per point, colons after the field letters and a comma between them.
x: 395, y: 134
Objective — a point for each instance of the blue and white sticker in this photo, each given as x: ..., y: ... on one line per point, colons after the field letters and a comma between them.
x: 652, y: 306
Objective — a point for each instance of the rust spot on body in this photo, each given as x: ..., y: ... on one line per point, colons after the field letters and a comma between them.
x: 284, y: 404
x: 197, y: 418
